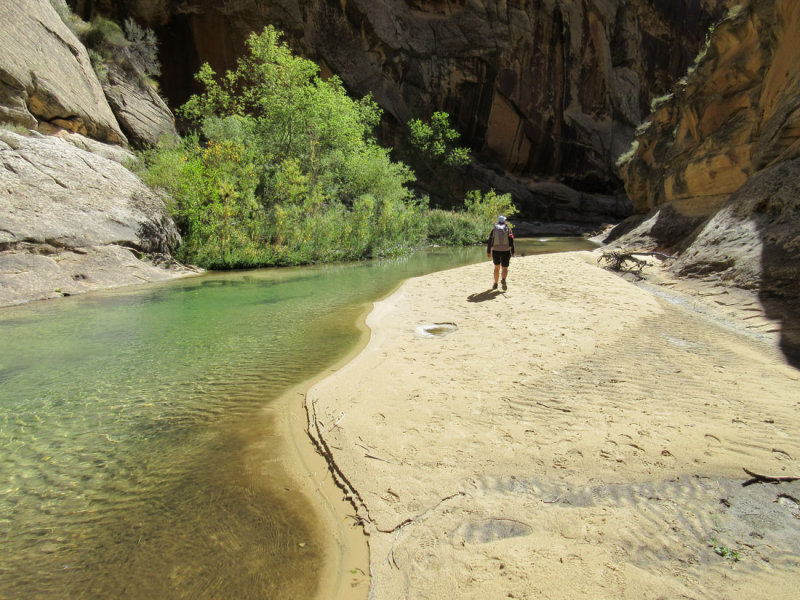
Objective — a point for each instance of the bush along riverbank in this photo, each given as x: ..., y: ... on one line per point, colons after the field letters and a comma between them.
x: 283, y: 169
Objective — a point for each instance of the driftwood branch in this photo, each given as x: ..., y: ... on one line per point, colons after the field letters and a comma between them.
x: 369, y: 454
x: 758, y: 478
x: 626, y: 260
x: 372, y: 456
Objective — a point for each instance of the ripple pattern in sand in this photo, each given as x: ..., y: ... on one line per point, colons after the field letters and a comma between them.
x: 711, y: 392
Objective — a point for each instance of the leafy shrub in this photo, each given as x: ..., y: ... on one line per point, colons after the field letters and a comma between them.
x: 436, y: 140
x: 470, y: 226
x: 212, y: 192
x: 134, y: 50
x: 104, y: 36
x: 487, y: 207
x: 285, y: 169
x: 143, y: 48
x: 17, y: 128
x: 64, y: 12
x: 628, y: 155
x: 431, y: 149
x: 450, y: 228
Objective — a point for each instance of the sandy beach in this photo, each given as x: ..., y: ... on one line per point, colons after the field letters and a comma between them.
x: 577, y: 436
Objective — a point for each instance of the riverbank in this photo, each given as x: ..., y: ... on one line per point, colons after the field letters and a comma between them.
x: 575, y: 436
x: 45, y: 272
x: 344, y: 572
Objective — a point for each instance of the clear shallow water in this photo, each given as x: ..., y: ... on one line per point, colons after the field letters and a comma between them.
x: 134, y: 438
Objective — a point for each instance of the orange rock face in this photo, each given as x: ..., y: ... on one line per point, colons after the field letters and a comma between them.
x: 716, y: 175
x: 737, y: 113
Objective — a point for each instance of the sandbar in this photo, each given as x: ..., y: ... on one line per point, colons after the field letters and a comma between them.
x: 576, y: 436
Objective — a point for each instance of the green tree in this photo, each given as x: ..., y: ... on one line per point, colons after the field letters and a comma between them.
x: 286, y: 169
x: 431, y: 149
x: 488, y: 206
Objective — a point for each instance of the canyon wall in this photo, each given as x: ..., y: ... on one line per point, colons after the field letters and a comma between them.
x: 72, y: 217
x: 539, y: 89
x: 716, y: 174
x: 46, y: 77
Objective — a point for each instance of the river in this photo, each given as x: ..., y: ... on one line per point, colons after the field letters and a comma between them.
x: 125, y: 417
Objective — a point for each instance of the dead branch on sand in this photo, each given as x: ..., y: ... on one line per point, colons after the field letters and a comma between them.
x: 757, y: 478
x: 627, y: 261
x: 566, y: 410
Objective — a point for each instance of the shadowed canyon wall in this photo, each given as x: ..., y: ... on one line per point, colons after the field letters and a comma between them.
x: 544, y: 89
x: 716, y: 175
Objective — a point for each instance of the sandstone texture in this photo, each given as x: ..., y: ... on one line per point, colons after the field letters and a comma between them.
x: 716, y: 175
x: 539, y: 90
x: 47, y: 82
x: 142, y: 113
x: 736, y: 113
x: 73, y: 219
x: 46, y: 77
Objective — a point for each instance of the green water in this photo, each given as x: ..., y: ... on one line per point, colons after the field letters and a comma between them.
x: 129, y: 419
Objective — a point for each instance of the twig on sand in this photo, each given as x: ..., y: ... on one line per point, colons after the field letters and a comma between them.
x: 757, y: 478
x: 390, y: 557
x: 566, y: 410
x: 378, y: 458
x: 339, y: 420
x: 372, y: 456
x: 779, y: 451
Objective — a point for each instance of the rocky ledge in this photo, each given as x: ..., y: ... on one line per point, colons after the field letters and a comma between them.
x: 74, y: 219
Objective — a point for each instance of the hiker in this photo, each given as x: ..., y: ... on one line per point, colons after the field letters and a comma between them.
x: 500, y: 248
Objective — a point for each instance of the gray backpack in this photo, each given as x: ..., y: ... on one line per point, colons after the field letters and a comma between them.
x: 500, y: 239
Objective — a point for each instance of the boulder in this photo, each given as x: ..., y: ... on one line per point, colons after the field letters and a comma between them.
x: 56, y: 193
x: 41, y: 273
x: 72, y: 219
x: 753, y: 240
x: 144, y: 116
x: 46, y: 78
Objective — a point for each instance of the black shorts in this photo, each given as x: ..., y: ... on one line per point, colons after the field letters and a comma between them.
x: 501, y: 257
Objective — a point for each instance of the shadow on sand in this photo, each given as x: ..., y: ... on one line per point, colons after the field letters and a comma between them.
x: 767, y: 206
x: 484, y: 296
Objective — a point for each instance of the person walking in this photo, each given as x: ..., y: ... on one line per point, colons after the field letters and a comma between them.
x: 500, y: 248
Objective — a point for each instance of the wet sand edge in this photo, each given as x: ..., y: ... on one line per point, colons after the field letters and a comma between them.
x: 345, y: 574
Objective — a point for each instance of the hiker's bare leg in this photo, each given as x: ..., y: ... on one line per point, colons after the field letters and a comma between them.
x: 505, y: 274
x: 497, y: 272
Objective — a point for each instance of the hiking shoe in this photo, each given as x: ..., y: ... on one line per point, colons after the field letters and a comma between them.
x: 494, y: 287
x: 505, y: 287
